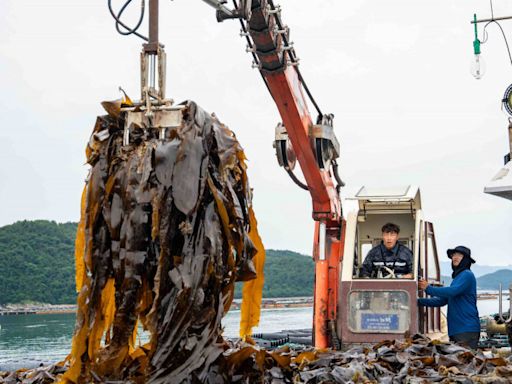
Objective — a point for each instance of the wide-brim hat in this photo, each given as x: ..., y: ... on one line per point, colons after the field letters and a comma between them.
x: 462, y: 250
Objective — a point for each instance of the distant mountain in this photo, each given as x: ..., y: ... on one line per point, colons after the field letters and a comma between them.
x: 490, y: 281
x: 37, y: 265
x: 446, y: 280
x: 493, y: 280
x: 478, y: 270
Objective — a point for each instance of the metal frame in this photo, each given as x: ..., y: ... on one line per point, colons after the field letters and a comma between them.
x: 500, y: 303
x: 431, y: 321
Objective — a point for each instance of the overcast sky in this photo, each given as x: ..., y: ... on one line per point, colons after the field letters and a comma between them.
x: 395, y: 74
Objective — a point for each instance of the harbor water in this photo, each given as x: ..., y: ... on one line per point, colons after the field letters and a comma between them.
x: 27, y: 341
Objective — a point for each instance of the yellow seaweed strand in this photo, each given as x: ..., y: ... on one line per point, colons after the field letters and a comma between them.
x: 108, y: 303
x: 133, y: 338
x: 79, y: 342
x: 80, y: 244
x: 252, y: 290
x: 103, y: 320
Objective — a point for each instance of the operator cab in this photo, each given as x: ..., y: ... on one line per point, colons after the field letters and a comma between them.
x: 380, y: 308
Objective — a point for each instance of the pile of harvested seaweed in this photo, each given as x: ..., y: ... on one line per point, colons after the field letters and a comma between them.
x: 414, y: 360
x: 166, y: 229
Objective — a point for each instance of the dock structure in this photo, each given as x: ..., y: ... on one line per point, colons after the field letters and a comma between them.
x: 36, y: 309
x: 17, y: 312
x: 280, y: 302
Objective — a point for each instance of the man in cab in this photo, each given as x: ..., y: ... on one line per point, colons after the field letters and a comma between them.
x: 389, y: 259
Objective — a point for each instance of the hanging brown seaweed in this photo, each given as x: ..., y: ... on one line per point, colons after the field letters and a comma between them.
x: 167, y: 227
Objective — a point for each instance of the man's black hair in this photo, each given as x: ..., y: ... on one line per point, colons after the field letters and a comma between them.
x: 390, y: 227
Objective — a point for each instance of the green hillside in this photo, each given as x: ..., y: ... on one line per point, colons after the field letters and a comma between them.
x: 37, y: 262
x: 287, y: 274
x: 37, y: 265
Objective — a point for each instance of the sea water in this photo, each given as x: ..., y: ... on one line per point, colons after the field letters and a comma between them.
x: 27, y: 341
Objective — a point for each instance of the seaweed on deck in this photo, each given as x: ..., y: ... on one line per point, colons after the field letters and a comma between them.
x: 413, y: 360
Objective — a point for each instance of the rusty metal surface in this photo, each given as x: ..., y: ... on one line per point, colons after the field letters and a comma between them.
x: 152, y: 45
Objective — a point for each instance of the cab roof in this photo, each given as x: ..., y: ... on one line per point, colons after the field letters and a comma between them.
x: 389, y: 198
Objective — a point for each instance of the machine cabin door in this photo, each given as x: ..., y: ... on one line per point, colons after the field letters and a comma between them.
x: 430, y: 318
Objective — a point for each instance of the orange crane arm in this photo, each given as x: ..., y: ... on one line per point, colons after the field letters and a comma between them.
x: 277, y: 62
x: 314, y: 145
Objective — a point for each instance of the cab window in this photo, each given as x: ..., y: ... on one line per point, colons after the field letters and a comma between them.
x: 369, y: 235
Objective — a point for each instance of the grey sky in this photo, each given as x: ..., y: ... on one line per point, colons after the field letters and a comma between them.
x: 395, y: 74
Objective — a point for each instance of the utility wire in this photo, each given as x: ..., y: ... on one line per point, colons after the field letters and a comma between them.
x: 486, y: 36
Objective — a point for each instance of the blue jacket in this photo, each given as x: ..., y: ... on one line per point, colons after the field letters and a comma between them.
x: 461, y: 299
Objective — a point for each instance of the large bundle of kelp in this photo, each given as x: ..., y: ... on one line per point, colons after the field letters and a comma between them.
x: 167, y: 227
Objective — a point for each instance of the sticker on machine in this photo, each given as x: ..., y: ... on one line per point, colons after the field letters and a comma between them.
x: 379, y: 322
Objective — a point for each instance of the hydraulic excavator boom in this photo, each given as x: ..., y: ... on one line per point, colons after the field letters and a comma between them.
x: 299, y: 137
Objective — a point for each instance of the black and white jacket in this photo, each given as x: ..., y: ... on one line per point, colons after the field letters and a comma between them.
x: 398, y: 259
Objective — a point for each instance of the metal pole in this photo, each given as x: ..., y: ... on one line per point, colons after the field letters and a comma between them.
x: 152, y: 46
x: 219, y: 7
x: 494, y: 19
x: 509, y: 320
x: 510, y: 139
x: 500, y: 304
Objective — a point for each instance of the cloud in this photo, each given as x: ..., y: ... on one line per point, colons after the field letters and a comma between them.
x: 391, y: 37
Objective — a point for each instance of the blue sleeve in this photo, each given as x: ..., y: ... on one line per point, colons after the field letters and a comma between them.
x: 458, y: 286
x: 433, y: 302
